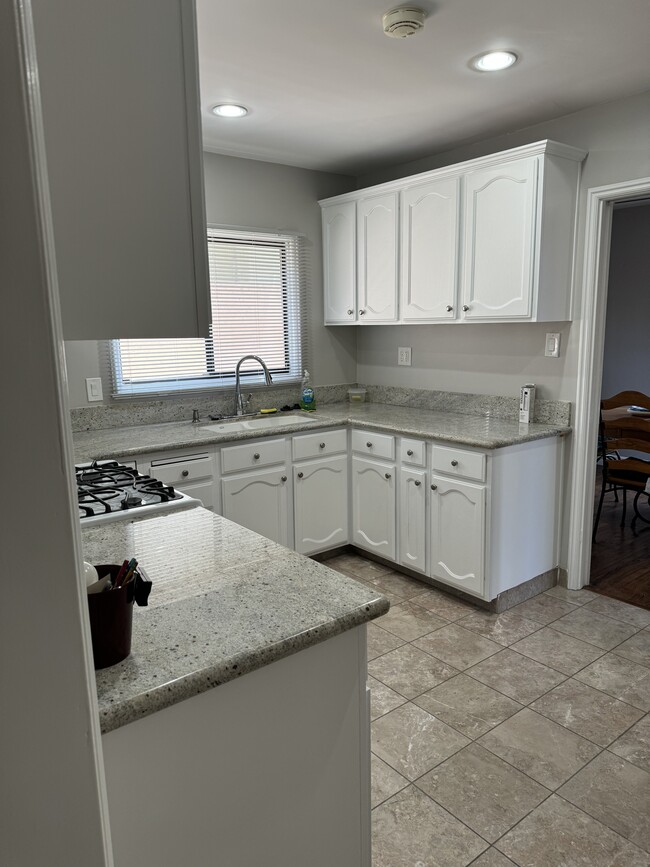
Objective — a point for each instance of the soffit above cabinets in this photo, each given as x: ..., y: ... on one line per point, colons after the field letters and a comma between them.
x: 327, y: 90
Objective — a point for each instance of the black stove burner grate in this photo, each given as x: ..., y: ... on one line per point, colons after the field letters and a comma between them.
x: 108, y: 486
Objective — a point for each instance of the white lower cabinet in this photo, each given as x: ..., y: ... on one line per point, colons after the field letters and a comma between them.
x: 458, y: 511
x: 373, y: 506
x: 320, y: 497
x: 412, y: 519
x: 259, y: 500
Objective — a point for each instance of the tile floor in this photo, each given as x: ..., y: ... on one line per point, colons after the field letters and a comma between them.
x: 521, y: 738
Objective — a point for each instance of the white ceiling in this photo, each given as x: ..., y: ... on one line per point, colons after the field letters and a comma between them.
x: 327, y: 90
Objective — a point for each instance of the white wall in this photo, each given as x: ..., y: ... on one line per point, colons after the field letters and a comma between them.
x: 627, y: 334
x: 495, y: 359
x: 260, y: 195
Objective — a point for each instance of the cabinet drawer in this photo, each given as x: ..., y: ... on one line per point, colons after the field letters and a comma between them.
x: 329, y: 442
x: 185, y: 468
x: 373, y: 444
x: 261, y: 454
x: 412, y: 452
x: 458, y: 462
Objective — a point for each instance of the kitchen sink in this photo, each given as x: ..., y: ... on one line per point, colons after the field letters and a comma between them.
x: 262, y: 423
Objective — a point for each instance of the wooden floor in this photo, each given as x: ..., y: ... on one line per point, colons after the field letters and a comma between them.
x: 620, y: 561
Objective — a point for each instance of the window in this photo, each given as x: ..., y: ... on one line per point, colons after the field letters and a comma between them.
x: 257, y: 289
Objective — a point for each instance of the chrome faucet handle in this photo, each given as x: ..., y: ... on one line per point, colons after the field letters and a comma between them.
x: 195, y: 416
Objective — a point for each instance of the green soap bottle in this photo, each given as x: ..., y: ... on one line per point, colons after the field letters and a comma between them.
x: 307, y: 399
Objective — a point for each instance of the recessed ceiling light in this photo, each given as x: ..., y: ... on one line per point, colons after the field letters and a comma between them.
x: 493, y: 61
x: 229, y: 109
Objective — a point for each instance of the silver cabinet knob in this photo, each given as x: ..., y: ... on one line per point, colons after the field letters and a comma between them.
x: 256, y: 456
x: 362, y: 312
x: 410, y: 453
x: 185, y: 473
x: 387, y: 475
x: 434, y: 487
x: 454, y: 463
x: 300, y: 475
x: 417, y: 483
x: 465, y: 307
x: 284, y: 478
x: 369, y: 444
x: 350, y: 312
x: 321, y: 446
x: 449, y: 308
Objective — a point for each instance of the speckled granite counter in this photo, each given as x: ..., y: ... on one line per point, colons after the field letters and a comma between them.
x: 224, y: 602
x: 479, y: 431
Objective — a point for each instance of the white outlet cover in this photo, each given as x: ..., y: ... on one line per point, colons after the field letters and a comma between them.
x: 404, y: 355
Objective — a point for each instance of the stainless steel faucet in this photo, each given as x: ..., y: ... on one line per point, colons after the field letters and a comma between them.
x: 239, y: 404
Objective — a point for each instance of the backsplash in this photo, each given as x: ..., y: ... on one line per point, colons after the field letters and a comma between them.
x: 128, y: 413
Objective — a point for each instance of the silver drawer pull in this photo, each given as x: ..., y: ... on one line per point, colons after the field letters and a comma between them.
x: 256, y: 456
x: 454, y: 463
x: 434, y: 487
x: 449, y: 308
x: 350, y: 312
x: 300, y: 475
x: 417, y: 483
x: 387, y: 475
x: 369, y: 445
x: 465, y: 307
x: 410, y: 453
x: 362, y: 312
x: 185, y: 473
x: 321, y: 446
x: 283, y: 478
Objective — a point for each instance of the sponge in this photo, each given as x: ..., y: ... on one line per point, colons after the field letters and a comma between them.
x: 267, y: 411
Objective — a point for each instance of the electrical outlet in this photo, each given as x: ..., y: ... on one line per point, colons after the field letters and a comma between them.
x: 404, y: 355
x: 552, y: 347
x: 94, y: 388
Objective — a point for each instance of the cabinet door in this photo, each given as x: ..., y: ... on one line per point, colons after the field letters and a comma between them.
x: 458, y: 534
x: 499, y: 251
x: 320, y: 496
x: 259, y: 501
x: 203, y: 491
x: 429, y: 251
x: 377, y: 258
x: 373, y: 506
x: 120, y: 96
x: 412, y: 519
x: 339, y: 263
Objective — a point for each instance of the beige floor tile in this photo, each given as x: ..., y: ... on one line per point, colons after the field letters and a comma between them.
x: 382, y: 698
x: 634, y: 745
x: 385, y: 782
x: 457, y: 646
x: 467, y: 705
x: 576, y: 597
x: 409, y: 830
x: 367, y: 569
x: 380, y: 641
x: 636, y: 648
x: 492, y: 858
x: 504, y: 628
x: 409, y: 621
x: 557, y: 834
x: 516, y: 676
x: 410, y: 671
x: 543, y: 609
x: 615, y: 793
x: 412, y: 741
x: 487, y: 794
x: 444, y: 604
x: 539, y: 747
x: 588, y: 712
x: 557, y: 650
x: 632, y: 614
x: 620, y: 678
x: 594, y: 628
x: 401, y: 586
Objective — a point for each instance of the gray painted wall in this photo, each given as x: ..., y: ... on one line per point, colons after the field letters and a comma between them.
x: 627, y: 338
x: 253, y: 194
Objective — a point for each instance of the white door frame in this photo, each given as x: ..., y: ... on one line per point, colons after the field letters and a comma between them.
x: 600, y: 201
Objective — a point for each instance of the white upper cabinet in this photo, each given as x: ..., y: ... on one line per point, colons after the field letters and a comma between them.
x: 499, y: 250
x: 340, y: 263
x: 489, y: 240
x: 377, y: 258
x: 120, y: 95
x: 429, y: 248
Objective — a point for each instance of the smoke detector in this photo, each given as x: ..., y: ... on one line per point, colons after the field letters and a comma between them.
x: 403, y: 21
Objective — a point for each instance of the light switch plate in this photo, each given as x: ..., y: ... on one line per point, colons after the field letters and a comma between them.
x: 94, y: 388
x: 552, y: 348
x: 404, y: 355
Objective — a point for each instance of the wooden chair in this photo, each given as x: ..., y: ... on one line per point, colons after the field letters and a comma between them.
x: 619, y: 432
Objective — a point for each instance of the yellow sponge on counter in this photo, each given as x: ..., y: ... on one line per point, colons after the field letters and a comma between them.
x: 267, y: 411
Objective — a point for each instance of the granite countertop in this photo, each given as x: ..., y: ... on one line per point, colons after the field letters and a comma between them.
x: 469, y: 430
x: 225, y: 601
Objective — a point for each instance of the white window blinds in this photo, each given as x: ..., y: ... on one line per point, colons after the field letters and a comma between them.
x: 258, y: 294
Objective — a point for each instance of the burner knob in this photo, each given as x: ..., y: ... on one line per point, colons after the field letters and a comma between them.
x: 185, y: 473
